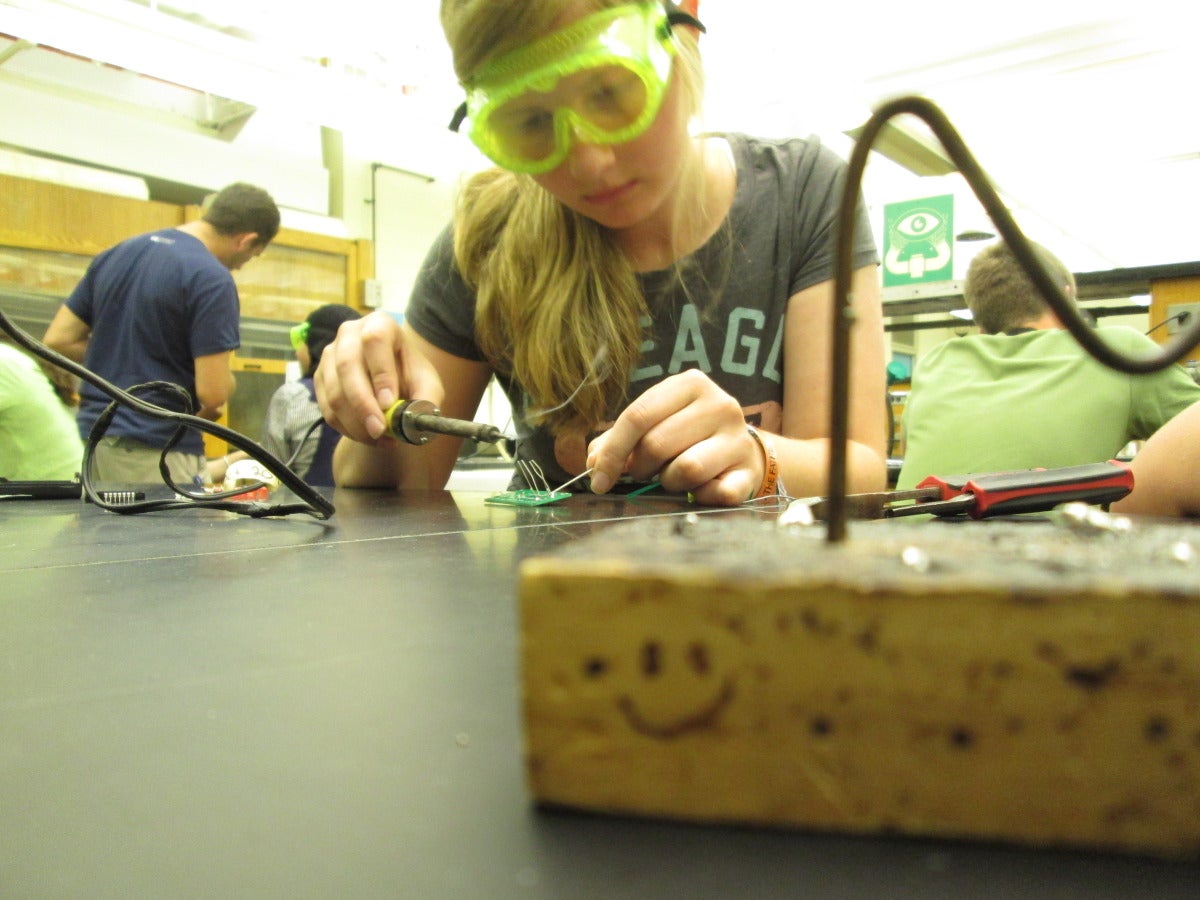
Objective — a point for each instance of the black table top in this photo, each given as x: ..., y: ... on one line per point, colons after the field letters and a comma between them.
x: 196, y: 704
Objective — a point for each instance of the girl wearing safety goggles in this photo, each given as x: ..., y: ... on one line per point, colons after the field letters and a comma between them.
x: 642, y: 294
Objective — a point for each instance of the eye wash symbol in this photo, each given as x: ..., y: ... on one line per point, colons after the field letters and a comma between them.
x: 918, y: 244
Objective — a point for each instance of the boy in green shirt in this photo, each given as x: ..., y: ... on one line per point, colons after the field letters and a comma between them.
x: 1024, y: 394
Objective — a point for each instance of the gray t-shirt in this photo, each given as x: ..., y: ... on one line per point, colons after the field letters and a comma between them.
x: 780, y: 238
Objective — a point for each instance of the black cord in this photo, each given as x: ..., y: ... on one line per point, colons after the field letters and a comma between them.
x: 291, y: 460
x: 1181, y: 318
x: 1067, y: 311
x: 891, y: 420
x: 303, y: 440
x: 311, y: 502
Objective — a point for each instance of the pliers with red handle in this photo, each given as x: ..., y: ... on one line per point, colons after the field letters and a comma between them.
x: 981, y: 496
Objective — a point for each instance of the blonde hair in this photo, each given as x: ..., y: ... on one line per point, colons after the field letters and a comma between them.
x: 559, y: 307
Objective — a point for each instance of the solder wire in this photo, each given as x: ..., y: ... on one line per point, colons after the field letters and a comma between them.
x: 594, y: 374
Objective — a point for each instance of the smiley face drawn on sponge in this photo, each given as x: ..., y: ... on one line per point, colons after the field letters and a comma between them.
x: 668, y: 684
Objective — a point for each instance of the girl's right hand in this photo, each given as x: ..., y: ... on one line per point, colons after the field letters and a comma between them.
x: 368, y: 366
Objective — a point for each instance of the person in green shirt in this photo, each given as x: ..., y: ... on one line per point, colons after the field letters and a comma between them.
x: 1024, y: 394
x: 39, y: 440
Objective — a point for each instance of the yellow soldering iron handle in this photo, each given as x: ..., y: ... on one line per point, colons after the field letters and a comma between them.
x: 416, y: 421
x: 400, y: 420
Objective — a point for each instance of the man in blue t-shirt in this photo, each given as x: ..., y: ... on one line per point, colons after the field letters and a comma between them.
x: 163, y: 307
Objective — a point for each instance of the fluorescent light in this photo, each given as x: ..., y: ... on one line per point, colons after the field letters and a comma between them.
x: 178, y: 52
x: 964, y: 314
x: 971, y: 235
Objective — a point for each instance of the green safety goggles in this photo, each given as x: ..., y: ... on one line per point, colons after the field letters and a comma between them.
x: 299, y: 335
x: 601, y: 78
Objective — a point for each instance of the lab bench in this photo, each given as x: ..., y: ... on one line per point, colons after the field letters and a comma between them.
x: 198, y: 704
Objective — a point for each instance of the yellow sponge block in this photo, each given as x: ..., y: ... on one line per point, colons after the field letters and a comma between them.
x: 1020, y: 682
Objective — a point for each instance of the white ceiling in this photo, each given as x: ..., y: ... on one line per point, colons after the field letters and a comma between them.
x: 1083, y: 113
x: 1079, y: 111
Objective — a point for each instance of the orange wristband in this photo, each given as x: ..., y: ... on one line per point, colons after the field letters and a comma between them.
x: 770, y: 482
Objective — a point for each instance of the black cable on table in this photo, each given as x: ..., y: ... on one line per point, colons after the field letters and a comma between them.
x: 310, y: 501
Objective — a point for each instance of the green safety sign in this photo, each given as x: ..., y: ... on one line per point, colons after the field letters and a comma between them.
x: 918, y: 241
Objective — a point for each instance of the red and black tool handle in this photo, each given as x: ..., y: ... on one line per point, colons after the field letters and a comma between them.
x: 1029, y: 490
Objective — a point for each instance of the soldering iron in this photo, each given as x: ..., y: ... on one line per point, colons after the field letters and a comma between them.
x: 416, y: 421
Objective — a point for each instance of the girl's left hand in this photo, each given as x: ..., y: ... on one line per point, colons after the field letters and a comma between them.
x: 690, y: 433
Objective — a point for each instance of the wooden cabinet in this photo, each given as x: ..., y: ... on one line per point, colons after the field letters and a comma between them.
x: 36, y: 215
x: 1165, y: 294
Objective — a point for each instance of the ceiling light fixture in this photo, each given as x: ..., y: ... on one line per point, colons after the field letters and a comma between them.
x: 974, y: 234
x: 907, y: 149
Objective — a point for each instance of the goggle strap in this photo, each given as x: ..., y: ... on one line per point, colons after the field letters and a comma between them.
x: 459, y: 115
x: 676, y: 16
